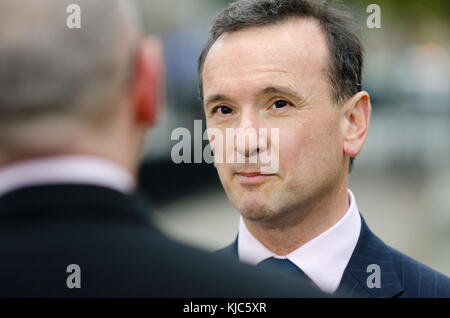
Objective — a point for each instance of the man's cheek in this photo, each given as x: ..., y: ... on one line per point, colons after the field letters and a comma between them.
x: 291, y: 147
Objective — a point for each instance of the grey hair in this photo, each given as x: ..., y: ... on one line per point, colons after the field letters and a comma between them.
x: 346, y: 52
x: 48, y: 69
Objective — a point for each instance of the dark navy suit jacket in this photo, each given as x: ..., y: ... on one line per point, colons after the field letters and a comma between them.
x: 400, y: 275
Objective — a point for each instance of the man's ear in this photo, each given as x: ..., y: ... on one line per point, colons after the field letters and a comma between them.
x: 357, y: 116
x: 148, y: 82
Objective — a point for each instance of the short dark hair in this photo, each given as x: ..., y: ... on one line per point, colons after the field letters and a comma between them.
x: 346, y: 52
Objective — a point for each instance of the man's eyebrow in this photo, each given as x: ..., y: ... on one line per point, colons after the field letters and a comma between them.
x: 283, y: 91
x: 216, y: 98
x: 266, y: 91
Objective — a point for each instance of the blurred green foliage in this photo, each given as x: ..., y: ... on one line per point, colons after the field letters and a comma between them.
x: 409, y: 10
x: 404, y: 10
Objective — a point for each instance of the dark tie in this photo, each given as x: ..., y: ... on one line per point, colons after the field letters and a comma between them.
x: 284, y: 265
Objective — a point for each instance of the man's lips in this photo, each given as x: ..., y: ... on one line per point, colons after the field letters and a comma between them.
x: 253, y: 177
x: 249, y: 174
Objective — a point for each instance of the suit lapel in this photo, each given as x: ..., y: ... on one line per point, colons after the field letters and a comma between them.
x: 370, y: 250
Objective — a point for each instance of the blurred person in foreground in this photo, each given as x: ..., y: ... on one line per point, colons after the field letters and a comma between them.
x: 74, y: 108
x: 295, y: 65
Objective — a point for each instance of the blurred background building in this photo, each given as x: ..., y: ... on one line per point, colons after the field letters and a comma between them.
x: 401, y: 179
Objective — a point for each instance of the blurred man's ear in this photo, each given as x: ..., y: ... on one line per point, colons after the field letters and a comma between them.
x: 356, y: 117
x: 147, y: 91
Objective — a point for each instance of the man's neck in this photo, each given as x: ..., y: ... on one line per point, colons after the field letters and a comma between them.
x: 299, y: 227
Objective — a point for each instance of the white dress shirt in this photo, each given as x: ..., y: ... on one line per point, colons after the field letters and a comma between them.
x: 65, y: 170
x: 323, y: 259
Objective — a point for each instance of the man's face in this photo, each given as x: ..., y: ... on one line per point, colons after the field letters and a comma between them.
x: 274, y: 77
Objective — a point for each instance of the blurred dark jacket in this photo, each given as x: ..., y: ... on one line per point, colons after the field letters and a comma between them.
x: 43, y: 229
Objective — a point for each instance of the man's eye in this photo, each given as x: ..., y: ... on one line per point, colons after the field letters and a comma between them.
x: 281, y: 103
x: 223, y: 110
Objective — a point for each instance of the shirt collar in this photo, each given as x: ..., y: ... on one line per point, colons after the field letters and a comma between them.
x: 323, y: 259
x: 67, y: 170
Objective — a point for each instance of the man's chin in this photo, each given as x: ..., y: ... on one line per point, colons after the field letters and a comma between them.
x: 255, y: 210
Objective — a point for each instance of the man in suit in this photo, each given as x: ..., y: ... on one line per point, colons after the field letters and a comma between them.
x: 75, y: 104
x: 294, y: 67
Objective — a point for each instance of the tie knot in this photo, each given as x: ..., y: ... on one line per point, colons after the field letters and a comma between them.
x: 282, y: 264
x: 285, y: 265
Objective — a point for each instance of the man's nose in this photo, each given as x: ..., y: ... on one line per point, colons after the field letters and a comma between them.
x: 247, y: 136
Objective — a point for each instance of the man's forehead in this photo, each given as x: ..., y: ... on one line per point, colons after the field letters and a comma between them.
x: 292, y: 54
x: 292, y: 43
